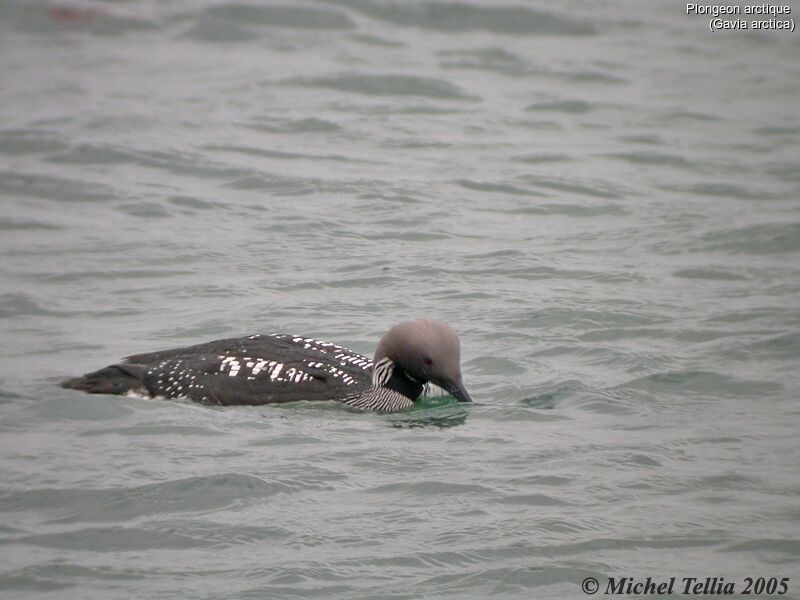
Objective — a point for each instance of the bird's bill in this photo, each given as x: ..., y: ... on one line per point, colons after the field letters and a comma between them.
x: 459, y: 392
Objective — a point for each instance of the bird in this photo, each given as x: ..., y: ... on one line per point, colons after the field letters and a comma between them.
x: 278, y: 368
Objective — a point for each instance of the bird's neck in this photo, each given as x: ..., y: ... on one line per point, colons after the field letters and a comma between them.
x: 392, y: 390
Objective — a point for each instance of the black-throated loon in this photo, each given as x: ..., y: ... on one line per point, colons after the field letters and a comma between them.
x: 265, y: 369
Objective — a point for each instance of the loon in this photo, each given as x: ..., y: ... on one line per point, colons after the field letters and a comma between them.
x: 276, y: 368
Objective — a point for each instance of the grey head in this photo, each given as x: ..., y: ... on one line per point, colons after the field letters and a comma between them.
x: 424, y: 351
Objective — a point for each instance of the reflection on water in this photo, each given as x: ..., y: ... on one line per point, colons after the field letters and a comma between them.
x: 448, y: 414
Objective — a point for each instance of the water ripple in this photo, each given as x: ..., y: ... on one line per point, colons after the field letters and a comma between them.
x: 388, y: 85
x: 110, y: 505
x: 459, y: 16
x: 287, y: 16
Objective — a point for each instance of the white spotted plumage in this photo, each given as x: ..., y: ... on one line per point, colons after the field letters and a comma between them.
x: 171, y: 378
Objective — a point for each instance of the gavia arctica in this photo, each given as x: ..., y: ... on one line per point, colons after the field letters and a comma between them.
x: 265, y: 369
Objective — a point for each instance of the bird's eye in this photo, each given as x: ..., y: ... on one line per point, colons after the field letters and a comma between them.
x: 428, y: 361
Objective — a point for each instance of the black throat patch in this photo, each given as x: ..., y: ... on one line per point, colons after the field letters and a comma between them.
x: 403, y: 384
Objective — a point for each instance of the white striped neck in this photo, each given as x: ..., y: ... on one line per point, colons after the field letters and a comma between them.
x: 392, y: 389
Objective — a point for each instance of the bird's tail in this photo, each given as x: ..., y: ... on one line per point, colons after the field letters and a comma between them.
x: 114, y: 379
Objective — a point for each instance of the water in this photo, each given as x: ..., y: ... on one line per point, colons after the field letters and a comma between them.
x: 601, y: 198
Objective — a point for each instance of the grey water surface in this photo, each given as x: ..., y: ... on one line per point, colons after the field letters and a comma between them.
x: 602, y: 198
